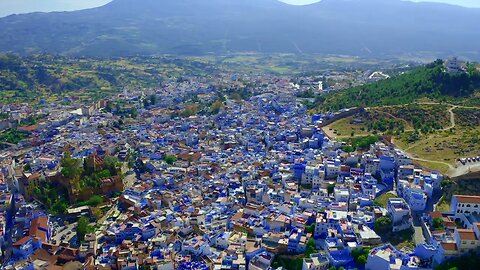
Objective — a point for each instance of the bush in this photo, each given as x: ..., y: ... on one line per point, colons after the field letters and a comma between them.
x: 383, y: 224
x: 170, y: 159
x: 93, y: 201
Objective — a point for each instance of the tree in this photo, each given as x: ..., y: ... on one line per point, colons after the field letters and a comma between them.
x: 97, y: 213
x: 216, y: 106
x: 310, y: 228
x: 330, y: 188
x: 109, y: 107
x: 82, y: 228
x: 362, y: 260
x: 60, y: 207
x: 27, y: 167
x: 437, y: 223
x: 311, y: 248
x: 111, y: 163
x: 153, y: 99
x: 170, y: 159
x: 360, y: 255
x: 383, y: 224
x: 72, y: 169
x: 134, y: 113
x: 93, y: 201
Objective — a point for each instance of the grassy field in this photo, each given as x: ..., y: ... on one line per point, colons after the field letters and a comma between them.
x: 434, y: 166
x: 383, y: 199
x: 444, y: 146
x: 443, y: 206
x: 372, y: 122
x: 346, y: 126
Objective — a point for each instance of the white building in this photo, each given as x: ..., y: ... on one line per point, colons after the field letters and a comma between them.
x: 316, y: 261
x: 400, y: 214
x: 388, y: 257
x: 313, y: 175
x: 341, y: 194
x: 332, y: 170
x: 463, y: 204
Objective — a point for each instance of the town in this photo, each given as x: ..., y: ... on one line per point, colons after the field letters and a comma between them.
x: 200, y: 175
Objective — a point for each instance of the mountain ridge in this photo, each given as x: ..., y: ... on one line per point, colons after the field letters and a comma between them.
x: 149, y: 27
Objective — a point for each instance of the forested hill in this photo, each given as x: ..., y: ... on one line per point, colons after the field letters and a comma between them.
x: 24, y: 79
x: 373, y: 28
x: 430, y: 81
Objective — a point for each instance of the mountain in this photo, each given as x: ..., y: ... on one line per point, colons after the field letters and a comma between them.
x: 152, y: 27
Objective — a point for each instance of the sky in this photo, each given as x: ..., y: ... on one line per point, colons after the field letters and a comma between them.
x: 8, y: 7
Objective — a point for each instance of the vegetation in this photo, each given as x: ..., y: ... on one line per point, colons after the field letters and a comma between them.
x: 360, y: 143
x: 170, y: 160
x: 71, y: 169
x: 91, y: 178
x: 94, y: 180
x: 288, y: 263
x: 382, y: 200
x: 437, y: 224
x: 12, y: 136
x: 54, y: 77
x: 469, y: 261
x: 427, y: 81
x: 53, y: 197
x: 442, y: 146
x: 311, y: 248
x: 423, y: 117
x: 383, y: 225
x: 468, y: 117
x: 360, y: 255
x: 306, y: 94
x: 93, y: 201
x: 330, y: 188
x: 32, y: 120
x: 310, y: 228
x: 83, y: 227
x: 216, y: 106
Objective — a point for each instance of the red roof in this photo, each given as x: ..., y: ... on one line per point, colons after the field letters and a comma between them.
x: 22, y: 241
x: 466, y: 234
x: 436, y: 214
x: 449, y: 246
x: 39, y: 228
x: 468, y: 199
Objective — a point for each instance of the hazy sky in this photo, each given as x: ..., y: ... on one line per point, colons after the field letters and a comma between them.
x: 8, y: 7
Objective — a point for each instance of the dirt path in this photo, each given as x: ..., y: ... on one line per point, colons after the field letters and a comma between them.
x: 450, y: 166
x: 453, y: 170
x: 452, y: 118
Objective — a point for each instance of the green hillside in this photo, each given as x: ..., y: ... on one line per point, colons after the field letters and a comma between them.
x: 430, y: 81
x: 24, y: 79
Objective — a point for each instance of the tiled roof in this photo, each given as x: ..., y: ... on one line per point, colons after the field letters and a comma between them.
x: 466, y: 234
x: 449, y: 246
x: 468, y: 199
